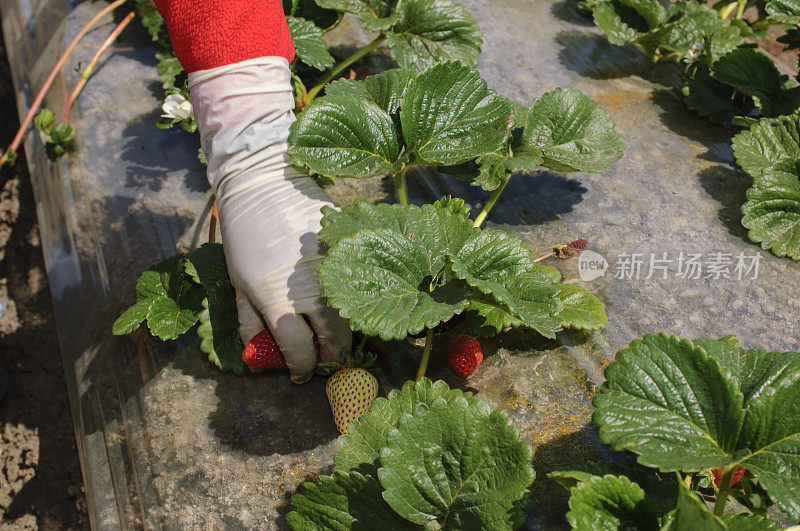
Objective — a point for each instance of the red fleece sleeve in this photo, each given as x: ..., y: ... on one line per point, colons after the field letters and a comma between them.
x: 210, y: 33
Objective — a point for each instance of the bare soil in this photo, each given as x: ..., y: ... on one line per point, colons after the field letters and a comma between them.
x: 40, y: 477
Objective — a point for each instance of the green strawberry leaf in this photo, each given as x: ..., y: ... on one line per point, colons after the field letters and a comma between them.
x: 784, y: 11
x: 711, y: 99
x: 343, y: 501
x: 345, y: 136
x: 44, y: 120
x: 169, y: 69
x: 692, y: 30
x: 682, y: 405
x: 624, y: 21
x: 573, y: 132
x: 151, y: 20
x: 377, y: 15
x: 564, y: 130
x: 309, y: 43
x: 772, y: 210
x: 391, y: 282
x: 768, y: 143
x: 498, y: 265
x: 692, y: 513
x: 754, y: 73
x: 360, y: 448
x: 493, y: 169
x: 669, y: 402
x: 166, y: 299
x: 131, y: 318
x: 611, y: 22
x: 449, y: 116
x: 456, y: 467
x: 431, y: 31
x: 661, y: 489
x: 395, y: 270
x: 360, y: 215
x: 326, y: 19
x: 791, y: 39
x: 363, y: 215
x: 219, y: 323
x: 485, y: 316
x: 610, y: 502
x: 755, y: 369
x: 385, y: 89
x: 219, y: 337
x: 581, y: 309
x: 771, y: 432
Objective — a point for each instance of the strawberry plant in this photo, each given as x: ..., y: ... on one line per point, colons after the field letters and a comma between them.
x: 399, y: 270
x: 685, y: 31
x: 419, y: 33
x: 684, y: 408
x: 58, y: 135
x: 184, y: 290
x: 426, y: 455
x: 731, y: 83
x: 769, y: 152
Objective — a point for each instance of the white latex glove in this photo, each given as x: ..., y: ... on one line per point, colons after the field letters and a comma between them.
x: 269, y: 212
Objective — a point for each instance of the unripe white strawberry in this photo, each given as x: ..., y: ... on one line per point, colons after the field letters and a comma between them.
x: 351, y: 392
x: 352, y: 389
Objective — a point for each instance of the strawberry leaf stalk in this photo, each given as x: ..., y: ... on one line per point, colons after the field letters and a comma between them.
x: 561, y: 250
x: 352, y: 388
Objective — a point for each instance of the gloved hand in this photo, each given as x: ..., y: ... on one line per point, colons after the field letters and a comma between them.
x: 269, y: 212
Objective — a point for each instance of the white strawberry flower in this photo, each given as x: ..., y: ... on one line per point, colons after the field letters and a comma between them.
x: 177, y: 107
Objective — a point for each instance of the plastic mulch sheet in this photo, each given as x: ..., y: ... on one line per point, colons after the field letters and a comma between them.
x: 166, y: 440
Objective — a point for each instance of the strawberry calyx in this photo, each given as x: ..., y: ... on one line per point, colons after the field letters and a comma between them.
x: 352, y: 360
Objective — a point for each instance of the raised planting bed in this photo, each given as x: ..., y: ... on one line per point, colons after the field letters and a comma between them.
x: 168, y: 440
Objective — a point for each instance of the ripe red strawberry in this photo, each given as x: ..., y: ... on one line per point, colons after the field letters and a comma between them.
x: 262, y: 352
x: 736, y: 478
x: 464, y: 354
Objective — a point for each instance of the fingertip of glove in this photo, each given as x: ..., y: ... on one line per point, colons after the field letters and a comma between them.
x: 300, y: 379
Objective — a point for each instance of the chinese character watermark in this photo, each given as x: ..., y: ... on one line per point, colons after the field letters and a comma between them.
x: 662, y: 265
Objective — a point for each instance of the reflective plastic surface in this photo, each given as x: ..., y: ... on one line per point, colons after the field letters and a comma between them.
x: 167, y: 441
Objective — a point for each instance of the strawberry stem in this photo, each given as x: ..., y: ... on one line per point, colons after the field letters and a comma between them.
x: 400, y: 185
x: 362, y: 343
x: 426, y: 353
x: 490, y: 203
x: 724, y: 488
x: 726, y: 11
x: 89, y: 70
x: 740, y: 11
x: 536, y: 251
x: 336, y: 70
